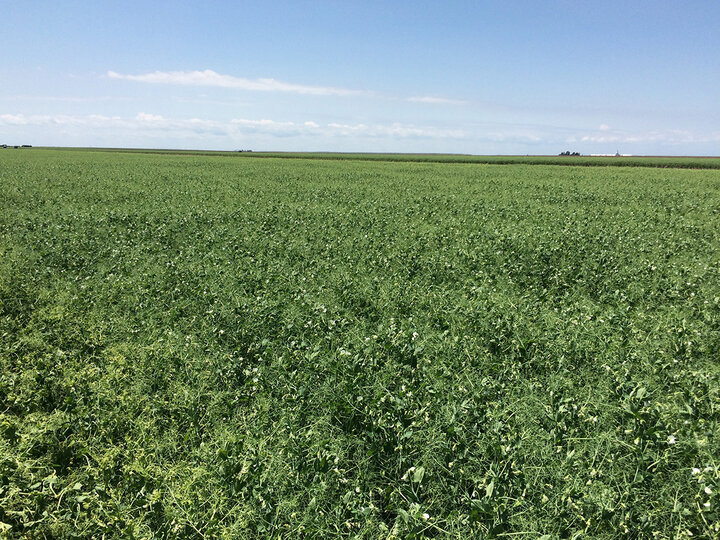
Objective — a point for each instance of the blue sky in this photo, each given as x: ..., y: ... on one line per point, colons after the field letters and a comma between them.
x: 405, y: 76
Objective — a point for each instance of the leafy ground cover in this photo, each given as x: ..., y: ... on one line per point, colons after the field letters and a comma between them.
x: 672, y: 162
x: 192, y: 346
x: 573, y: 161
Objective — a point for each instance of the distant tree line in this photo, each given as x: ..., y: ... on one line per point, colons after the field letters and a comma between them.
x: 569, y: 153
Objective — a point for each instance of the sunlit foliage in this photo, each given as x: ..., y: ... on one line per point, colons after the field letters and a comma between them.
x: 197, y: 346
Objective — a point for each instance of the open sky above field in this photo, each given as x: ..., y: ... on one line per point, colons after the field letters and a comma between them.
x: 407, y: 76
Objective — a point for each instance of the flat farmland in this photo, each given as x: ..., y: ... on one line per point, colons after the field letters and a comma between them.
x: 200, y: 347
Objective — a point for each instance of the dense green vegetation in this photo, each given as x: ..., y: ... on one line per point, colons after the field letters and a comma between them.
x: 196, y: 346
x: 573, y: 161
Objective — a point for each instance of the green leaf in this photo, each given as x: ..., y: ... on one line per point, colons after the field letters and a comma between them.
x: 489, y: 489
x: 419, y: 474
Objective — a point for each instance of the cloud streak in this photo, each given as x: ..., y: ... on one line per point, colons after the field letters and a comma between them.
x: 149, y: 124
x: 673, y: 136
x: 153, y: 129
x: 211, y: 78
x: 435, y: 100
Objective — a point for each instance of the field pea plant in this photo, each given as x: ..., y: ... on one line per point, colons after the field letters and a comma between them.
x: 198, y: 346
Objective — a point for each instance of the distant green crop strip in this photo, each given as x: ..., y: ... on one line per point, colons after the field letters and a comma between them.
x: 574, y: 161
x: 193, y: 346
x: 581, y: 161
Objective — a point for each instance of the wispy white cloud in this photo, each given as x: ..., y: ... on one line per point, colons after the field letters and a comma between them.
x: 63, y: 99
x: 334, y: 129
x: 145, y: 123
x: 670, y: 137
x: 395, y: 130
x: 260, y: 123
x: 57, y: 120
x: 435, y: 100
x: 154, y: 129
x: 146, y: 117
x: 209, y: 77
x: 14, y: 120
x: 150, y: 124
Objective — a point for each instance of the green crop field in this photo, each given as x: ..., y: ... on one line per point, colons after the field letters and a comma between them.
x: 577, y: 161
x: 193, y: 346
